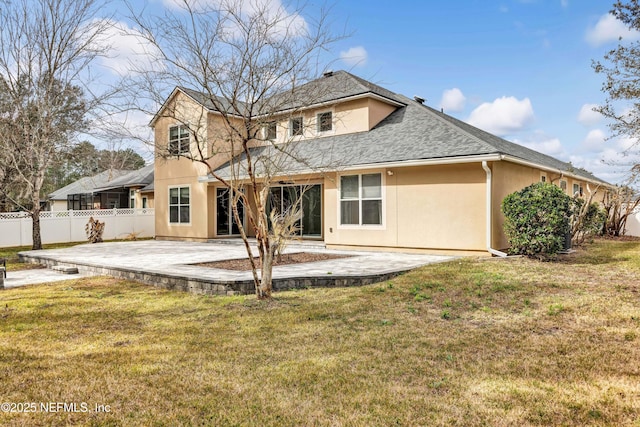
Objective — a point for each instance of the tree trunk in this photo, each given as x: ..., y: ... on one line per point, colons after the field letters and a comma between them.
x: 35, y: 216
x: 264, y: 290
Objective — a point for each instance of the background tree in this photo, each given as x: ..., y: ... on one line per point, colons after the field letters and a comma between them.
x: 621, y: 69
x: 621, y: 202
x: 84, y: 159
x: 45, y: 49
x: 248, y: 60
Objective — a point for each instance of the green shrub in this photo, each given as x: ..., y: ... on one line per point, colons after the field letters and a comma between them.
x: 537, y: 219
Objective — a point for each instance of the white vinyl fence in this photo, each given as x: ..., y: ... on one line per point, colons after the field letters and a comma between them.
x: 633, y: 224
x: 69, y: 226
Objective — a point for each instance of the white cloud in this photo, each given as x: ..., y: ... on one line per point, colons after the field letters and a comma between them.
x: 127, y: 50
x: 587, y: 116
x: 595, y: 141
x: 453, y: 100
x: 355, y: 56
x: 543, y: 144
x: 281, y: 22
x: 564, y: 3
x: 503, y: 116
x: 609, y: 29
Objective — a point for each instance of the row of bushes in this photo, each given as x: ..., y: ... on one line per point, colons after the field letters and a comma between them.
x: 541, y: 220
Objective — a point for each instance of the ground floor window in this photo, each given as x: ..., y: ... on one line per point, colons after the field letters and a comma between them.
x: 226, y: 224
x: 309, y: 198
x: 179, y: 205
x: 132, y: 199
x: 80, y: 202
x: 361, y: 199
x: 145, y: 202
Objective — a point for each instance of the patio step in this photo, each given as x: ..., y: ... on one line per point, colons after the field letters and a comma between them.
x: 65, y: 269
x: 298, y: 244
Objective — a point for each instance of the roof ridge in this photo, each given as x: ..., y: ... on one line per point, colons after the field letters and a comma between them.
x: 438, y: 115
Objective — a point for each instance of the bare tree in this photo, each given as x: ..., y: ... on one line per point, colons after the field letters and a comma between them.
x: 45, y: 49
x: 621, y: 202
x: 248, y: 61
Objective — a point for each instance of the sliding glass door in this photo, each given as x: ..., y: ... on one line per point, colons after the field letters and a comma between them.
x: 226, y: 224
x: 283, y: 198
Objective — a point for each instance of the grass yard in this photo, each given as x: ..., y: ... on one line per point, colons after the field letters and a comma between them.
x: 13, y: 262
x: 468, y: 343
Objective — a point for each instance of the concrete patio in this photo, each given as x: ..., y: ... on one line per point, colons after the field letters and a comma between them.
x: 169, y: 265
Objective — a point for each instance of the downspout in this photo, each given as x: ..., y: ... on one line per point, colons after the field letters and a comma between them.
x: 489, y: 212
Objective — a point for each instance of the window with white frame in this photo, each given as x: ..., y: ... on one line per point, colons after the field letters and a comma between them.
x: 577, y: 189
x: 178, y: 140
x: 132, y: 199
x: 179, y: 205
x: 296, y: 126
x: 270, y: 131
x: 543, y: 177
x: 325, y: 121
x: 361, y: 199
x: 563, y: 185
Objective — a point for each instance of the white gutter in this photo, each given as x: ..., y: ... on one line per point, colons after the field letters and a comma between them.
x: 562, y: 173
x: 426, y: 162
x: 489, y: 211
x: 382, y: 165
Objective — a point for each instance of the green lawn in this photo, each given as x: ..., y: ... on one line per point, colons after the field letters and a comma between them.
x: 469, y: 343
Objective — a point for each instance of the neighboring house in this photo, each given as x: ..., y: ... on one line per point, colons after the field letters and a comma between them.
x: 381, y: 171
x: 107, y: 190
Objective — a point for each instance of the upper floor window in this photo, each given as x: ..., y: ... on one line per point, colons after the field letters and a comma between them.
x: 178, y: 140
x: 577, y: 189
x: 361, y: 199
x: 295, y: 126
x: 270, y: 131
x: 543, y: 178
x: 563, y: 185
x: 179, y: 205
x: 325, y: 121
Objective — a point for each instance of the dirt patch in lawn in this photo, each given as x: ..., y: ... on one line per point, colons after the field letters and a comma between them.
x: 243, y: 264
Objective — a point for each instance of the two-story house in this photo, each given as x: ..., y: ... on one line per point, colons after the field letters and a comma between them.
x: 376, y: 170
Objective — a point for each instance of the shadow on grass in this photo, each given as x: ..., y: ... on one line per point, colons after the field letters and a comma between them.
x: 610, y: 252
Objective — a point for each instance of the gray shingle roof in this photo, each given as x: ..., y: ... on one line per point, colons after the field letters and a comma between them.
x: 138, y: 178
x: 411, y: 133
x: 87, y: 184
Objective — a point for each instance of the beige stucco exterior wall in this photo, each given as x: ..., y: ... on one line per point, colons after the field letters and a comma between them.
x: 358, y: 115
x: 429, y: 207
x: 58, y: 205
x: 510, y: 177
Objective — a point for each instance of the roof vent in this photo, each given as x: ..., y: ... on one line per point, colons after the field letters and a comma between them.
x: 328, y: 73
x: 418, y: 99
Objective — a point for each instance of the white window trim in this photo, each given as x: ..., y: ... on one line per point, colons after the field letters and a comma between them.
x: 383, y: 195
x: 566, y: 185
x: 333, y: 124
x: 265, y: 131
x: 179, y: 224
x: 543, y: 177
x: 132, y: 198
x: 178, y: 125
x: 304, y: 125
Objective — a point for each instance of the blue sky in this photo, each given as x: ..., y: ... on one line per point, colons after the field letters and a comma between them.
x: 520, y: 69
